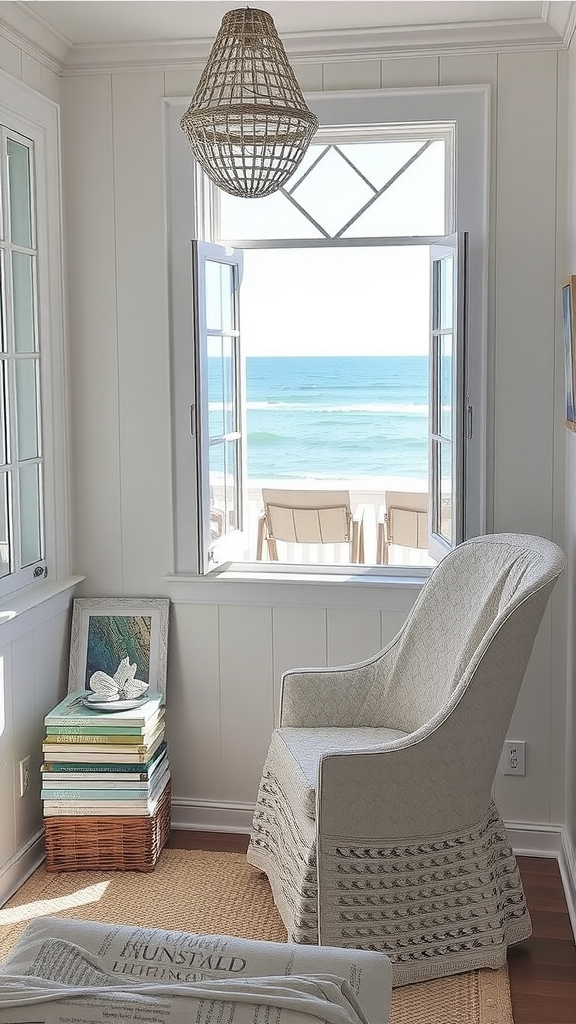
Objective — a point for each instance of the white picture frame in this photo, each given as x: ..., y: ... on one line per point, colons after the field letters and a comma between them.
x: 106, y: 630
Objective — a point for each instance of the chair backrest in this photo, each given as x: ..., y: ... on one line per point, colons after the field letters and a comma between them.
x: 307, y: 517
x: 407, y: 518
x: 482, y: 604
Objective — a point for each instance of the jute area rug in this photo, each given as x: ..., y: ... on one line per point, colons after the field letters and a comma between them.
x: 220, y: 893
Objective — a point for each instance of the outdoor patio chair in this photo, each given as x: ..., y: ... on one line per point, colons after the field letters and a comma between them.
x: 375, y: 821
x: 309, y: 517
x: 402, y: 520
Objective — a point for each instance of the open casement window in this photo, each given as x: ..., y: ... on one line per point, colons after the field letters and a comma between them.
x: 448, y: 410
x: 21, y: 455
x: 218, y: 418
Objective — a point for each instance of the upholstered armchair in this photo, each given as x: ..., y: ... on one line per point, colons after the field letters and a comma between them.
x: 375, y: 822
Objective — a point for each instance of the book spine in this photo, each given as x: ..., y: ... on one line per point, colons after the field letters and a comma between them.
x: 103, y: 808
x: 102, y: 755
x: 102, y: 789
x: 86, y: 767
x: 50, y: 747
x: 104, y: 718
x: 82, y: 796
x: 93, y: 738
x: 53, y: 749
x: 121, y: 780
x: 62, y: 810
x: 96, y: 730
x: 74, y: 715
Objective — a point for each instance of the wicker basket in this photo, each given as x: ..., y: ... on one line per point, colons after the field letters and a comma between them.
x: 132, y: 843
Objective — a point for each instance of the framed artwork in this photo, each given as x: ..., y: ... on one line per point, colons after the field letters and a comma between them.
x: 568, y: 310
x: 107, y: 631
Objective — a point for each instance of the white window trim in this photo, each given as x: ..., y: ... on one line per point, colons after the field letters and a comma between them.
x: 38, y: 118
x: 468, y: 107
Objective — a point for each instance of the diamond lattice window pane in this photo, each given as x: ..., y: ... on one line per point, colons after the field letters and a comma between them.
x: 380, y: 161
x: 271, y: 217
x: 413, y: 205
x: 333, y: 192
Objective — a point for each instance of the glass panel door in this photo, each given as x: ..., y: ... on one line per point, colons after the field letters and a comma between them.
x: 218, y: 416
x: 447, y: 440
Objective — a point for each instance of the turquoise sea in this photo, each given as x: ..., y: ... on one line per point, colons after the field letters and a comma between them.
x: 342, y: 417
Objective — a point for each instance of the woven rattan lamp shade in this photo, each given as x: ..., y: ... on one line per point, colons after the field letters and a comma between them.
x: 248, y: 123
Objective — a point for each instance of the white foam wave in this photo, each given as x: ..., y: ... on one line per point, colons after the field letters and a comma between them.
x: 402, y: 408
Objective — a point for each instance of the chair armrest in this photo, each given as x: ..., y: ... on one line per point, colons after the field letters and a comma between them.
x: 395, y: 791
x: 315, y: 697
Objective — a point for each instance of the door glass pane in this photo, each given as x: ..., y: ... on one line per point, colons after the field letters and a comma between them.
x: 232, y: 490
x: 222, y: 414
x: 445, y: 382
x: 27, y: 408
x: 3, y: 416
x: 30, y: 538
x: 446, y: 492
x: 217, y: 492
x: 213, y: 296
x: 23, y: 285
x: 4, y: 526
x: 19, y: 193
x: 446, y: 293
x: 219, y: 296
x: 2, y: 301
x: 223, y: 488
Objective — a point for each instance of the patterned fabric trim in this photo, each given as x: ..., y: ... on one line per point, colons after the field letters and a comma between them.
x: 451, y: 904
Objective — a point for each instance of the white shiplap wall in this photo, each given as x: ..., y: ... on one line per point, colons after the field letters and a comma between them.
x: 33, y: 678
x: 226, y: 660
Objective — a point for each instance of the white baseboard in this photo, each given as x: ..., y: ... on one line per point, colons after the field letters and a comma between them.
x: 15, y: 872
x: 207, y: 816
x: 528, y: 840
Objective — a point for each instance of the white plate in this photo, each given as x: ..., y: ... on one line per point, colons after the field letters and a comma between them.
x: 112, y: 705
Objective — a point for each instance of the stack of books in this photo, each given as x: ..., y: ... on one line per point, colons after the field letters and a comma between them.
x: 104, y: 763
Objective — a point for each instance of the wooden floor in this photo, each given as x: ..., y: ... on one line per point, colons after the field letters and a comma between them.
x: 542, y: 969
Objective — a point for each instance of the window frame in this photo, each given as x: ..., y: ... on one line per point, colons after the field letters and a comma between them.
x: 36, y: 118
x: 468, y: 109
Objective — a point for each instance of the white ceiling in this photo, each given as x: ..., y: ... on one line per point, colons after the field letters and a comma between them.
x: 117, y: 21
x: 88, y: 35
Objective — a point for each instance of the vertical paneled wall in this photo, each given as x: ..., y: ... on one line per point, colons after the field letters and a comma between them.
x: 33, y: 678
x: 226, y: 660
x: 15, y: 61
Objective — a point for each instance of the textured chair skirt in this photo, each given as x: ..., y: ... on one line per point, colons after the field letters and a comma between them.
x: 435, y: 906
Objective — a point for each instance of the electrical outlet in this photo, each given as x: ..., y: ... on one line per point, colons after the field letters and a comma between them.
x: 513, y: 758
x: 24, y: 775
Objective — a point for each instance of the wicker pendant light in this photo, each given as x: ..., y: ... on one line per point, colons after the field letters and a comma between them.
x: 248, y: 124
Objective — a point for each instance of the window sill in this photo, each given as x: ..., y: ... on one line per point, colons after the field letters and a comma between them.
x: 26, y: 608
x: 361, y: 588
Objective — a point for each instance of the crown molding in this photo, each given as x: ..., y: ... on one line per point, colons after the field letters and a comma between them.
x: 551, y: 32
x: 36, y: 39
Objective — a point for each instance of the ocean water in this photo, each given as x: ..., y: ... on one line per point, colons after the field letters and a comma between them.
x: 342, y: 417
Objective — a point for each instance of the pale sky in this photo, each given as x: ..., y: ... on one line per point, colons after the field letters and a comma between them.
x: 368, y: 301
